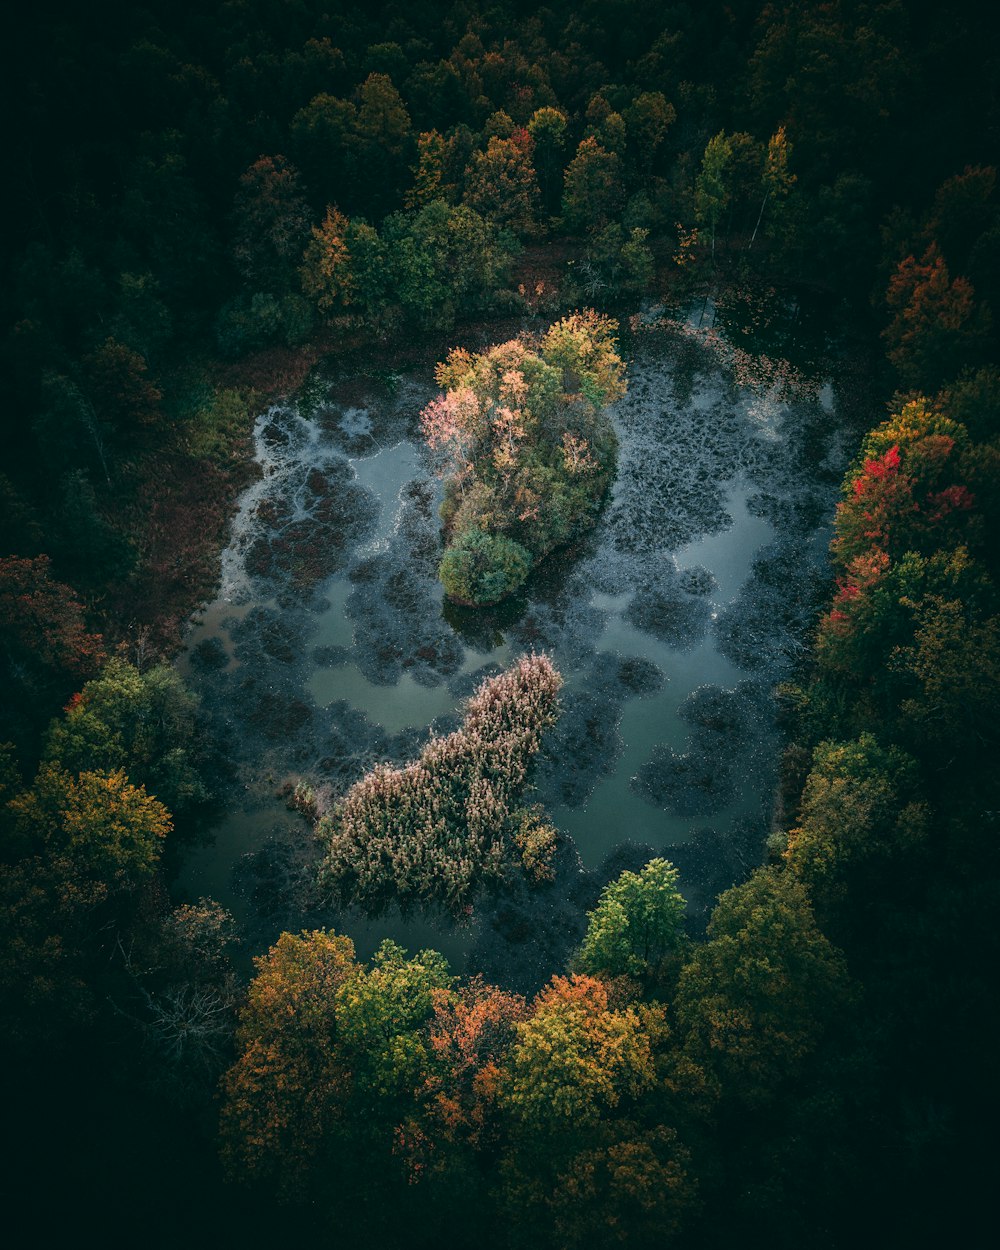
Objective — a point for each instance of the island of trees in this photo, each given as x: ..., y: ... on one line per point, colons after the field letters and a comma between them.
x: 529, y: 452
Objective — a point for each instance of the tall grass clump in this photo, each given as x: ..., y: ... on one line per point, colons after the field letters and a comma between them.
x: 434, y: 829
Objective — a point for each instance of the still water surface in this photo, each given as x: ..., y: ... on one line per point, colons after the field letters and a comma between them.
x: 329, y: 646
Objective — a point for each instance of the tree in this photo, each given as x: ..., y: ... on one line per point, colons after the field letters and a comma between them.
x: 143, y: 722
x: 611, y: 252
x: 68, y: 423
x: 592, y: 190
x: 756, y: 999
x: 587, y: 1147
x: 369, y: 268
x: 936, y: 327
x: 974, y: 401
x: 429, y: 173
x: 479, y: 569
x: 712, y: 190
x: 123, y: 396
x: 444, y: 261
x: 324, y: 143
x: 583, y: 345
x: 501, y: 184
x: 953, y: 663
x: 637, y: 922
x: 384, y: 141
x: 776, y: 178
x: 330, y: 1056
x: 173, y: 980
x: 327, y: 277
x: 964, y: 210
x: 529, y: 449
x: 84, y: 540
x: 382, y: 1012
x: 861, y: 822
x: 648, y: 118
x: 142, y: 320
x: 547, y: 129
x: 111, y: 831
x: 46, y: 646
x: 271, y: 224
x: 873, y: 614
x: 905, y: 491
x: 457, y: 1128
x: 286, y: 1093
x: 634, y: 1188
x: 577, y: 1059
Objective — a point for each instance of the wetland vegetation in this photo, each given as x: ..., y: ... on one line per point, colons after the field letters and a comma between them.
x: 498, y: 624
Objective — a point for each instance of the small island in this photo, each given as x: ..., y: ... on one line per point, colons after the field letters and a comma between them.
x: 526, y: 448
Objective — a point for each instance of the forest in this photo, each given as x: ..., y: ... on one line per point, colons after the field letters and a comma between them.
x: 231, y: 223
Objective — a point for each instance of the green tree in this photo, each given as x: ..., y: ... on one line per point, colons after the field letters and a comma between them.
x: 635, y: 1187
x: 547, y: 128
x: 444, y: 261
x: 649, y: 117
x: 142, y: 320
x: 382, y: 1014
x: 638, y: 921
x: 953, y: 663
x: 324, y: 144
x: 712, y: 191
x: 143, y: 722
x: 861, y: 822
x: 776, y: 178
x: 369, y: 268
x: 384, y: 143
x: 480, y: 568
x: 757, y: 998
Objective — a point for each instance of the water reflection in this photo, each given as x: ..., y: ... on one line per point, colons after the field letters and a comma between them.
x: 330, y: 646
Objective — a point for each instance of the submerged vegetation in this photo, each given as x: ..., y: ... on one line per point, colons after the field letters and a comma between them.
x: 527, y: 449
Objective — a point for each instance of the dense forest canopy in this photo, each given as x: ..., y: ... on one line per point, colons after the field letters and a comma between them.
x: 204, y: 202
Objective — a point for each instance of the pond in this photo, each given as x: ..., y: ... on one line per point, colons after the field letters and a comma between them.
x: 329, y: 646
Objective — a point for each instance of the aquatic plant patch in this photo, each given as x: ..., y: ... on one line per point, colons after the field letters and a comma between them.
x: 436, y: 828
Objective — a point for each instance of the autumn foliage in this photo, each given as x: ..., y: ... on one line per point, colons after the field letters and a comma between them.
x: 526, y: 449
x: 937, y: 326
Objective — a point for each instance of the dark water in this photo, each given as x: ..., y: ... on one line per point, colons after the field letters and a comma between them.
x: 329, y: 646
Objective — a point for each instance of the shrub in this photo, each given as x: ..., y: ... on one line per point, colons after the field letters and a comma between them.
x: 480, y: 568
x: 536, y: 839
